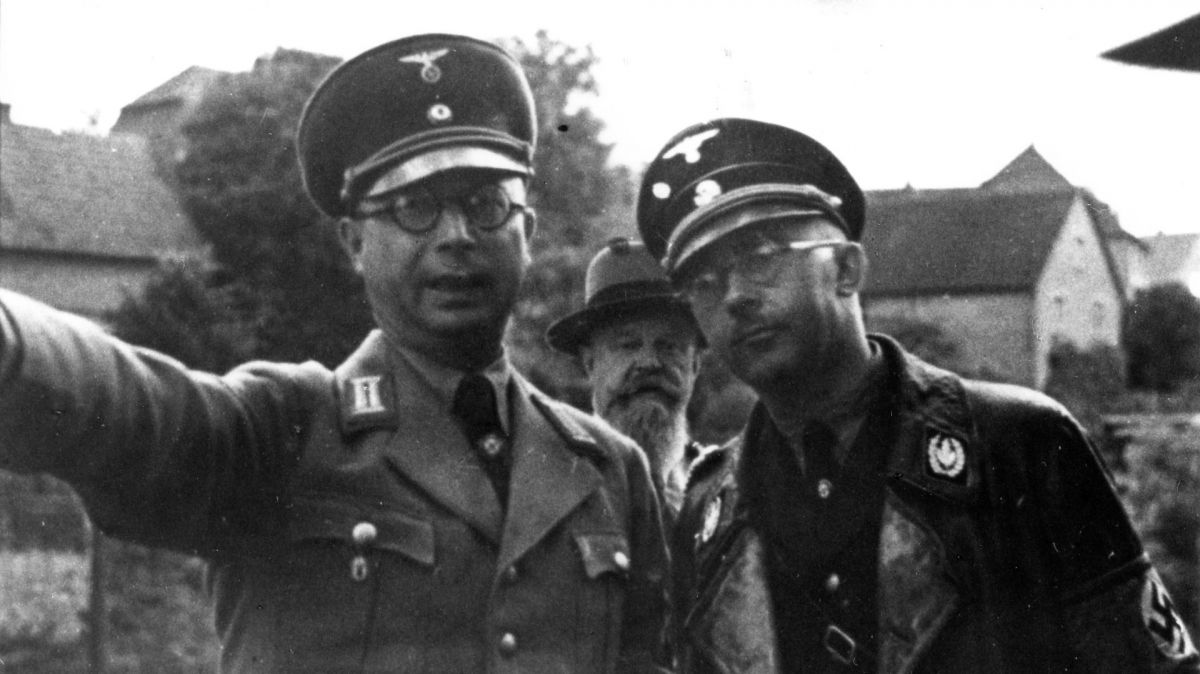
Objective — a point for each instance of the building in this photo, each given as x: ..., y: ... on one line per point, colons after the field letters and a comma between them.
x: 1174, y: 258
x: 83, y: 219
x: 1006, y: 270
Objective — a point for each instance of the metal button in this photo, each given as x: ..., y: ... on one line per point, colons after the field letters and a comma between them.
x: 824, y: 488
x: 621, y: 560
x: 364, y: 533
x: 359, y: 568
x: 832, y: 583
x: 510, y: 574
x: 508, y: 644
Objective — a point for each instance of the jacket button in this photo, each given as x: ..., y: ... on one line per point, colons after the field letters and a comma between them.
x: 508, y: 644
x: 510, y: 574
x: 824, y: 488
x: 832, y: 583
x: 364, y: 533
x: 621, y: 560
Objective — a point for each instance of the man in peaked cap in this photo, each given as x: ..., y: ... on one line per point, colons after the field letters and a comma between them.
x: 877, y: 514
x: 640, y: 348
x: 420, y: 508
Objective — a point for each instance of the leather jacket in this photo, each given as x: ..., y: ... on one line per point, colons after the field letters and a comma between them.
x: 1003, y: 547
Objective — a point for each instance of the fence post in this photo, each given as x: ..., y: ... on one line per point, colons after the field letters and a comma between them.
x: 97, y: 611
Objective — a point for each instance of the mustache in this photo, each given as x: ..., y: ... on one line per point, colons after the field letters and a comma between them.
x: 659, y: 380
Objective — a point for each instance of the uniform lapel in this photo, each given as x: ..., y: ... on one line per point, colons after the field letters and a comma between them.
x: 427, y: 448
x: 549, y: 480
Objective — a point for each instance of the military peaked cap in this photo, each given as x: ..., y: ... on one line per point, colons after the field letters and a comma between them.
x: 407, y: 109
x: 734, y: 167
x: 622, y: 282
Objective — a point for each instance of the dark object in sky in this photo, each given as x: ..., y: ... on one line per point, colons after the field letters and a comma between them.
x: 1176, y: 47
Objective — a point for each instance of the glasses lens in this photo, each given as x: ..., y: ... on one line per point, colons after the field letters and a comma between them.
x: 416, y: 211
x: 487, y: 207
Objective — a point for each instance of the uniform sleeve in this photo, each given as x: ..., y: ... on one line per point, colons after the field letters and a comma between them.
x: 643, y: 632
x: 1115, y: 610
x: 160, y: 454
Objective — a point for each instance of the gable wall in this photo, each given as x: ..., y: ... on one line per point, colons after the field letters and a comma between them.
x: 1075, y: 299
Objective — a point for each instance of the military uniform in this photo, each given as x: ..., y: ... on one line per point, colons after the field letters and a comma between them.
x: 966, y: 527
x: 349, y: 521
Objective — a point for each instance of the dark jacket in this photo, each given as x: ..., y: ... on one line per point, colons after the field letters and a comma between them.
x: 347, y: 525
x: 1003, y: 547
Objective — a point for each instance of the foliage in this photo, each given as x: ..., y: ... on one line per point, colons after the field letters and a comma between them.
x: 581, y: 201
x: 1161, y: 489
x: 1162, y: 337
x: 278, y: 285
x: 1089, y: 382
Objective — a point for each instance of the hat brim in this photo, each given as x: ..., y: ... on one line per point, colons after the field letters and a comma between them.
x: 571, y: 332
x: 746, y: 206
x: 443, y: 159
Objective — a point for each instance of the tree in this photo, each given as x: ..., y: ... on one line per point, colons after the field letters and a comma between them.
x: 581, y: 201
x: 1162, y: 337
x: 278, y: 285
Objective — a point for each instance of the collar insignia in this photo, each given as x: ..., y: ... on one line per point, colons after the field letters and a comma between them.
x: 430, y: 72
x: 712, y: 517
x: 945, y: 457
x: 365, y: 395
x: 689, y: 147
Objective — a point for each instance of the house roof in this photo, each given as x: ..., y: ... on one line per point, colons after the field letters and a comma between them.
x: 1169, y: 256
x: 960, y: 240
x: 187, y: 85
x: 86, y: 194
x: 1028, y: 172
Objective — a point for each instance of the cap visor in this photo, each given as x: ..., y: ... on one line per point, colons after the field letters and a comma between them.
x: 443, y: 159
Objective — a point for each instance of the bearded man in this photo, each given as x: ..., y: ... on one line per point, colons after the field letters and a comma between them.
x: 640, y: 347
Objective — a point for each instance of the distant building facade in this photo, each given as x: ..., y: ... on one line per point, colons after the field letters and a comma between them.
x: 1174, y: 258
x: 83, y: 219
x: 1006, y: 270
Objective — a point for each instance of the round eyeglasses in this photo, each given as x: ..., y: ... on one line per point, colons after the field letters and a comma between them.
x: 759, y: 264
x: 417, y: 211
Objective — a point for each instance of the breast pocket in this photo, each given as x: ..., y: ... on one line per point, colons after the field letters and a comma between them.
x: 605, y: 562
x: 338, y: 551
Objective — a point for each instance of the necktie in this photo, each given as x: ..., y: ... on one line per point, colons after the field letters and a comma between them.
x: 475, y: 408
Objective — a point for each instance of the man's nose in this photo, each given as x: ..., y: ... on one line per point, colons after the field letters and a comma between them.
x: 453, y: 228
x: 741, y: 296
x: 647, y: 357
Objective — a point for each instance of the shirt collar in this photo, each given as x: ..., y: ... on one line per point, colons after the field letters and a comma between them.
x: 443, y: 380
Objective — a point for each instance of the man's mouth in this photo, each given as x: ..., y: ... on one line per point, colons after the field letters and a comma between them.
x: 753, y: 335
x: 457, y: 283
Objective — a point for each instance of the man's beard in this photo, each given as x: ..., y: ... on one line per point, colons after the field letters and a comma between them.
x: 658, y: 428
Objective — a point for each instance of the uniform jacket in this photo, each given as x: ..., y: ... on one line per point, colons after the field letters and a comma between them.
x: 347, y: 525
x: 1003, y: 547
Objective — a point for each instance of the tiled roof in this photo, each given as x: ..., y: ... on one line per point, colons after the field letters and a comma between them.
x: 86, y: 194
x: 960, y: 240
x: 1028, y: 172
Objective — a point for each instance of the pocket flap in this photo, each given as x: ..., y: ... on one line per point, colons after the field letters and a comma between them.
x: 404, y: 534
x: 604, y: 553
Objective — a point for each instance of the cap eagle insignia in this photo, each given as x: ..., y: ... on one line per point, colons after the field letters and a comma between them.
x: 430, y: 72
x: 689, y: 147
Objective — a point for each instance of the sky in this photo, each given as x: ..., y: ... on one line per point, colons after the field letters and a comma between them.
x: 928, y: 93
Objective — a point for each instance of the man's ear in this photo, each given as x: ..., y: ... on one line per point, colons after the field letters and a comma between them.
x: 851, y: 269
x: 530, y: 223
x: 587, y: 358
x: 350, y: 234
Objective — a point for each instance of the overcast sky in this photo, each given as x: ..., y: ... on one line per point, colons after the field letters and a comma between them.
x: 930, y: 93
